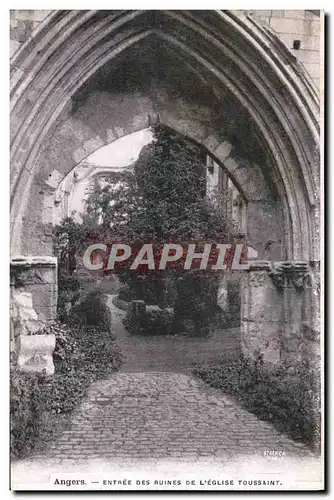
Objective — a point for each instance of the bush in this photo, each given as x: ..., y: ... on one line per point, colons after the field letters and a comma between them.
x: 288, y: 399
x: 68, y: 293
x: 126, y: 294
x: 81, y: 355
x: 155, y: 322
x: 121, y: 304
x: 25, y: 412
x: 62, y: 392
x: 92, y: 310
x: 101, y: 356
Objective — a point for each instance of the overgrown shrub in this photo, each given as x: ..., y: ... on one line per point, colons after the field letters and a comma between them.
x: 289, y: 399
x: 62, y: 392
x: 25, y: 412
x: 68, y: 293
x: 159, y: 322
x: 121, y: 304
x: 165, y: 322
x: 92, y: 310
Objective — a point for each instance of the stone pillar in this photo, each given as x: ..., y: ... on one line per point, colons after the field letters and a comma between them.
x: 279, y: 320
x: 261, y: 314
x: 36, y: 277
x: 297, y: 283
x: 138, y: 307
x: 313, y: 315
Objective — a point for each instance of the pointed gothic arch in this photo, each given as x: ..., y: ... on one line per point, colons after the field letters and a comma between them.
x: 226, y: 51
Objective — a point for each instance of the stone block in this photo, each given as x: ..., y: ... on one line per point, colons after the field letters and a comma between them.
x: 308, y: 57
x: 14, y: 46
x: 93, y: 144
x: 46, y: 313
x: 223, y: 150
x: 54, y: 179
x: 79, y: 154
x: 211, y: 143
x: 138, y: 307
x: 295, y: 26
x: 277, y: 13
x: 261, y: 339
x: 295, y: 14
x: 307, y: 42
x: 35, y: 353
x: 252, y: 180
x: 261, y: 299
x: 24, y: 317
x: 34, y: 279
x: 153, y: 309
x: 231, y: 164
x: 119, y: 131
x: 313, y: 69
x: 257, y: 308
x: 42, y: 295
x: 36, y: 15
x: 110, y: 136
x: 261, y: 13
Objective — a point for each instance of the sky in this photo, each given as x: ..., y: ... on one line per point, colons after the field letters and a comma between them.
x: 121, y: 152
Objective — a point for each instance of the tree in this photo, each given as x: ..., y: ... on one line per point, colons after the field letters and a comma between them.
x: 162, y: 199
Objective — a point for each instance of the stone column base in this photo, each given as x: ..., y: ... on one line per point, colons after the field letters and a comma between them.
x: 33, y: 302
x: 278, y: 313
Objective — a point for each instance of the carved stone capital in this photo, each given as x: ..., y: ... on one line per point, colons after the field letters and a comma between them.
x: 32, y: 270
x: 290, y: 274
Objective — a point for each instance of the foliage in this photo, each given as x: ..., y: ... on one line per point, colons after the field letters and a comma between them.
x: 85, y: 351
x: 92, y: 310
x: 124, y: 305
x: 150, y: 323
x: 68, y: 238
x: 162, y: 200
x: 289, y: 399
x: 25, y: 412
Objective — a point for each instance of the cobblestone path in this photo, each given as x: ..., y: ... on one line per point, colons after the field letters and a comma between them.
x: 139, y: 417
x: 159, y: 415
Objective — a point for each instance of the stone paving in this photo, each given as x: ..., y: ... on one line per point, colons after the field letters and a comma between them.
x: 157, y: 415
x: 163, y: 415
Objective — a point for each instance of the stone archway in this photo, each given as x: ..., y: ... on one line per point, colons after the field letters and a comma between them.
x: 223, y: 81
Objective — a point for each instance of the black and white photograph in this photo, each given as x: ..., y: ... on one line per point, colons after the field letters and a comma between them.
x: 166, y: 250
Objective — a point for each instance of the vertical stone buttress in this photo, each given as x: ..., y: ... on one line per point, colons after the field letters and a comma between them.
x: 280, y: 312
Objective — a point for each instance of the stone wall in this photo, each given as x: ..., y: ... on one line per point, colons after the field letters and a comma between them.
x: 291, y: 26
x: 22, y: 24
x: 33, y: 301
x: 295, y: 26
x: 84, y: 107
x: 37, y: 277
x: 106, y: 114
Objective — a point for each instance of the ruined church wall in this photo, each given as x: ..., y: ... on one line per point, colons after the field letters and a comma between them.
x: 291, y: 26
